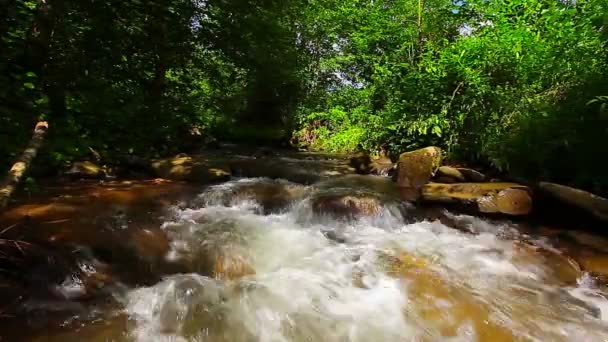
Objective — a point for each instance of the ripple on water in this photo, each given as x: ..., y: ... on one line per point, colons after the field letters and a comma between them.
x: 374, y: 279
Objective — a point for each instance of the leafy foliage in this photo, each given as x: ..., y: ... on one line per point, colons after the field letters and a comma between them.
x: 486, y: 80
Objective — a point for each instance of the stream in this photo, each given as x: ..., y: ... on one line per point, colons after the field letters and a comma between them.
x: 256, y: 259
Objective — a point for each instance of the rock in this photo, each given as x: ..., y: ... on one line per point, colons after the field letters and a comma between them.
x: 362, y: 163
x: 558, y: 267
x: 150, y: 245
x: 415, y: 169
x: 271, y: 195
x: 450, y: 172
x: 444, y: 305
x: 595, y: 205
x: 471, y: 175
x: 505, y: 198
x: 87, y: 170
x: 194, y: 169
x: 445, y: 180
x: 381, y: 166
x: 594, y: 263
x: 347, y: 205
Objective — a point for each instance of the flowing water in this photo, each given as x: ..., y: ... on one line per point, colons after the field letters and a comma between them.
x: 268, y: 260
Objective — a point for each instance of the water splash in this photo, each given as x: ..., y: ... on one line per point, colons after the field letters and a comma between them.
x: 320, y: 277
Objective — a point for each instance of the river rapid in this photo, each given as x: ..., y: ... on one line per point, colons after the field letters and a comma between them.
x: 256, y: 259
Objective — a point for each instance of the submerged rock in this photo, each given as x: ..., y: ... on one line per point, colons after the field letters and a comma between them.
x: 271, y: 195
x: 446, y: 306
x: 559, y: 267
x: 217, y: 248
x: 504, y: 198
x: 194, y: 169
x: 595, y: 205
x: 416, y: 168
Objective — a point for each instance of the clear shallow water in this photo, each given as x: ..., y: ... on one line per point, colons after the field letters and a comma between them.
x: 294, y: 274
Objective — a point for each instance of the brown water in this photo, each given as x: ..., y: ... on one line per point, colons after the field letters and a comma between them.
x: 261, y: 260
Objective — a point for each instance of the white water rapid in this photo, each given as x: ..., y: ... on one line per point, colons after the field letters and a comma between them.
x: 278, y: 270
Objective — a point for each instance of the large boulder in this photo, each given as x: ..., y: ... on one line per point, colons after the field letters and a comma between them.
x: 595, y: 205
x: 416, y: 168
x: 504, y: 198
x: 193, y: 169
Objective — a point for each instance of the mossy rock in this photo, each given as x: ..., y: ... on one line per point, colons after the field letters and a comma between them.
x: 192, y: 169
x: 416, y: 168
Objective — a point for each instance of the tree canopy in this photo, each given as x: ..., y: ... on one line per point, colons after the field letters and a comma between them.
x: 518, y: 85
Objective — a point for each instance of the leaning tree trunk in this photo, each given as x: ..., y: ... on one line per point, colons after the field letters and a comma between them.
x: 15, y: 175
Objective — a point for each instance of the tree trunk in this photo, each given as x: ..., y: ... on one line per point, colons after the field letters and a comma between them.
x: 15, y: 175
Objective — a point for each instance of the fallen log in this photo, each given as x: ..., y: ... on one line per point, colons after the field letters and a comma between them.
x: 16, y: 173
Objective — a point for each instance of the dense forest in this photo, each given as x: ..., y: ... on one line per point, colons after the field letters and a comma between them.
x: 520, y: 86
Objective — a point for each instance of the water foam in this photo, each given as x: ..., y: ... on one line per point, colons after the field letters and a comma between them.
x: 309, y: 287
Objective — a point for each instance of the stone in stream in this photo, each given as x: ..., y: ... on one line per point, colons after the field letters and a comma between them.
x: 271, y: 195
x: 415, y: 169
x: 362, y: 163
x: 444, y: 306
x: 194, y: 169
x: 471, y: 175
x: 214, y: 248
x: 595, y: 263
x: 347, y: 205
x: 504, y: 198
x: 86, y: 170
x: 382, y: 166
x: 450, y: 173
x: 560, y: 267
x: 593, y: 204
x: 445, y: 180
